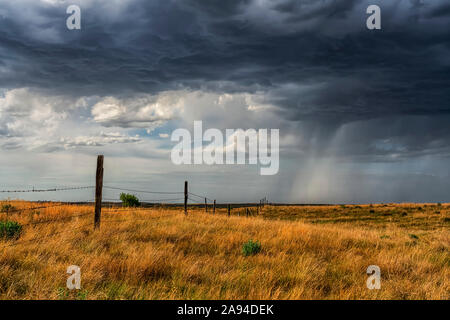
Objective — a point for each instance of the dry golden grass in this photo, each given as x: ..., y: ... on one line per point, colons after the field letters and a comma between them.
x: 310, y: 252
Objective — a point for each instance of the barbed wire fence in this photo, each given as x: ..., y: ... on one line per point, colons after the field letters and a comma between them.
x: 180, y: 199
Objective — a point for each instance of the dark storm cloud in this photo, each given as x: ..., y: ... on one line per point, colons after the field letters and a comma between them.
x: 315, y: 60
x: 442, y: 10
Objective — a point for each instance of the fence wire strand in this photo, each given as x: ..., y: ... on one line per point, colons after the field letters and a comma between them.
x: 46, y: 190
x: 203, y: 197
x: 141, y: 191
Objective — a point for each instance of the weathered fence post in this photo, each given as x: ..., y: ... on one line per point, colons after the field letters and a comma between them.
x: 214, y: 207
x: 185, y: 196
x: 98, y: 192
x: 229, y: 210
x: 206, y: 206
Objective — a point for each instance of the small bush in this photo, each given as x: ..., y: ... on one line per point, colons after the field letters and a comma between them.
x: 129, y: 200
x: 6, y: 208
x: 413, y: 236
x: 251, y: 248
x: 10, y: 229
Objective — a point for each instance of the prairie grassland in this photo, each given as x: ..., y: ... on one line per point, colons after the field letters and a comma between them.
x: 308, y: 252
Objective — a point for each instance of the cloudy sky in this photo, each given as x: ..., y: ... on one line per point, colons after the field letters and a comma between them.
x: 363, y: 114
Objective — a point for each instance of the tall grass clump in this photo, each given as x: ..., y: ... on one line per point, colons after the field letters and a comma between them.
x: 10, y: 229
x: 251, y: 248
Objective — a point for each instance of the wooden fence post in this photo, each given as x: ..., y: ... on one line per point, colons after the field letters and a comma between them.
x: 206, y: 206
x: 246, y: 212
x: 98, y: 192
x: 185, y: 196
x: 214, y: 207
x: 229, y: 210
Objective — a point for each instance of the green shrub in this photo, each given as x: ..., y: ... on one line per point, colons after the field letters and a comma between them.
x: 6, y: 208
x: 129, y: 200
x: 10, y: 229
x: 251, y: 248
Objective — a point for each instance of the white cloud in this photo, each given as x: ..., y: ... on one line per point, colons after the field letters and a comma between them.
x: 182, y: 107
x: 34, y: 120
x: 143, y: 111
x: 24, y: 112
x: 98, y: 140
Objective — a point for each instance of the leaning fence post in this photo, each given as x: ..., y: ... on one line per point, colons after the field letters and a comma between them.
x: 206, y: 206
x: 214, y: 207
x: 98, y: 191
x: 229, y: 210
x: 185, y: 196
